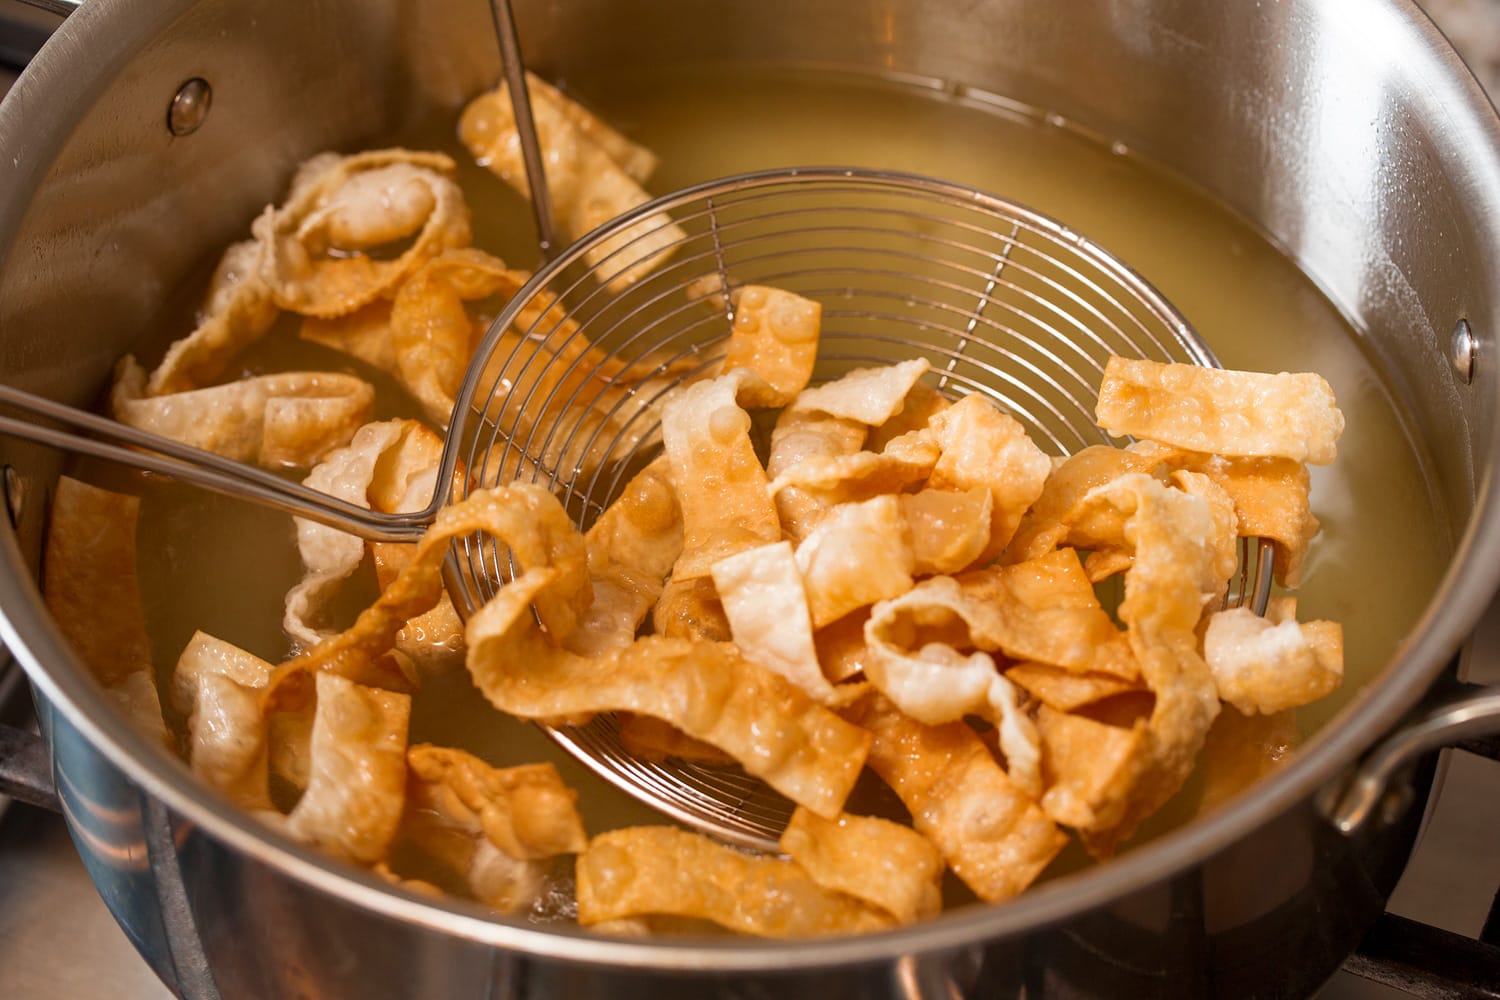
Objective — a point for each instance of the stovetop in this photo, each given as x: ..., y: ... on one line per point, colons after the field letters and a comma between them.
x: 57, y: 939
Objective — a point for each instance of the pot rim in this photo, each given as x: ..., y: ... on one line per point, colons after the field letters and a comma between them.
x: 111, y: 31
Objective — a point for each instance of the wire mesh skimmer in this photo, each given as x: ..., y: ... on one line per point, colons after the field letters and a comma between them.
x: 1000, y: 300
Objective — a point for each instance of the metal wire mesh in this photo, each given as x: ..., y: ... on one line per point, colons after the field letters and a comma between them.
x: 1000, y: 300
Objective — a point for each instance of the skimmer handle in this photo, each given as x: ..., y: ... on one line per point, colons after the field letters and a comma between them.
x: 140, y: 449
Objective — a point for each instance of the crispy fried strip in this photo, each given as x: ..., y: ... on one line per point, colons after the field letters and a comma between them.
x: 1082, y: 763
x: 352, y: 205
x: 216, y: 684
x: 776, y: 336
x: 91, y: 588
x: 587, y: 187
x: 761, y: 591
x: 1263, y: 667
x: 801, y: 436
x: 660, y: 870
x: 885, y: 864
x: 720, y: 484
x: 870, y: 396
x: 1067, y: 690
x: 993, y: 837
x: 526, y: 811
x: 238, y: 311
x: 981, y: 446
x: 858, y: 554
x: 291, y: 419
x: 357, y: 787
x: 1247, y: 414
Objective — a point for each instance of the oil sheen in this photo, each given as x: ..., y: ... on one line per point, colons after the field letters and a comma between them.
x: 224, y: 566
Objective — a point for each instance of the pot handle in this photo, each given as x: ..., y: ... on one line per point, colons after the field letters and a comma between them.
x: 1468, y: 717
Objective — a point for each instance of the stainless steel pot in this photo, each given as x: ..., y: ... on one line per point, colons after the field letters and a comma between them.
x: 1347, y: 130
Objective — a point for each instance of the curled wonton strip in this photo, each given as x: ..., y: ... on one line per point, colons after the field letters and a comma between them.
x: 274, y: 421
x: 587, y: 186
x: 631, y: 549
x: 776, y: 336
x: 1248, y: 414
x: 906, y: 460
x: 1049, y: 521
x: 705, y: 689
x: 869, y: 396
x: 857, y: 555
x: 217, y: 686
x: 981, y: 446
x: 648, y: 870
x: 1266, y: 667
x: 691, y: 609
x: 885, y: 864
x: 719, y: 480
x: 1166, y: 588
x: 992, y: 835
x: 761, y: 591
x: 357, y: 785
x: 239, y: 310
x: 90, y: 586
x: 802, y: 436
x: 318, y: 258
x: 1067, y: 690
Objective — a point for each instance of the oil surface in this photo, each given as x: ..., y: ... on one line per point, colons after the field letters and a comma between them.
x: 224, y: 567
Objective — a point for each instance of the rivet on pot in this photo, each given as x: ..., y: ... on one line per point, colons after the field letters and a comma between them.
x: 190, y: 107
x: 15, y: 494
x: 1461, y: 350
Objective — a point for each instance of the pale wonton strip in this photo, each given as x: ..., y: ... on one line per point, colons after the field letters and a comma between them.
x: 708, y: 690
x: 238, y: 311
x: 761, y: 591
x: 870, y: 396
x: 799, y: 437
x: 357, y: 786
x: 981, y: 446
x: 526, y: 811
x: 587, y: 187
x: 1234, y: 413
x: 776, y: 336
x: 315, y: 260
x: 291, y: 419
x: 660, y: 870
x: 907, y: 460
x: 720, y: 484
x: 91, y: 588
x: 948, y: 530
x: 1166, y: 588
x: 217, y: 685
x: 857, y: 555
x: 993, y: 837
x: 1263, y: 667
x: 887, y: 865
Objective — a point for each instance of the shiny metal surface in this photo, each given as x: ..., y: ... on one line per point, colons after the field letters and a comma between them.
x: 1000, y: 301
x: 190, y: 107
x: 1362, y: 153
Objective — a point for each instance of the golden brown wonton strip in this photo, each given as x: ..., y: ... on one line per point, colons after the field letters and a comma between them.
x: 993, y: 837
x: 91, y: 588
x: 660, y: 870
x: 885, y: 864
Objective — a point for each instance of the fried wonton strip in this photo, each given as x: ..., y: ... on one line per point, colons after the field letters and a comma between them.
x: 841, y: 478
x: 91, y: 588
x: 841, y: 646
x: 720, y: 484
x: 981, y: 446
x: 1067, y: 690
x: 761, y: 591
x: 870, y: 396
x: 1046, y: 524
x: 364, y: 334
x: 316, y: 260
x: 1166, y: 588
x: 993, y: 837
x: 357, y: 787
x: 1263, y: 667
x: 885, y: 864
x: 1082, y: 762
x: 523, y: 516
x: 1232, y: 413
x: 857, y: 555
x: 1225, y: 536
x: 587, y: 186
x: 801, y: 436
x: 526, y: 811
x: 217, y: 685
x: 691, y: 609
x: 948, y: 530
x: 775, y: 336
x: 432, y: 333
x: 238, y: 311
x: 291, y: 419
x: 631, y: 549
x: 706, y: 689
x: 661, y: 870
